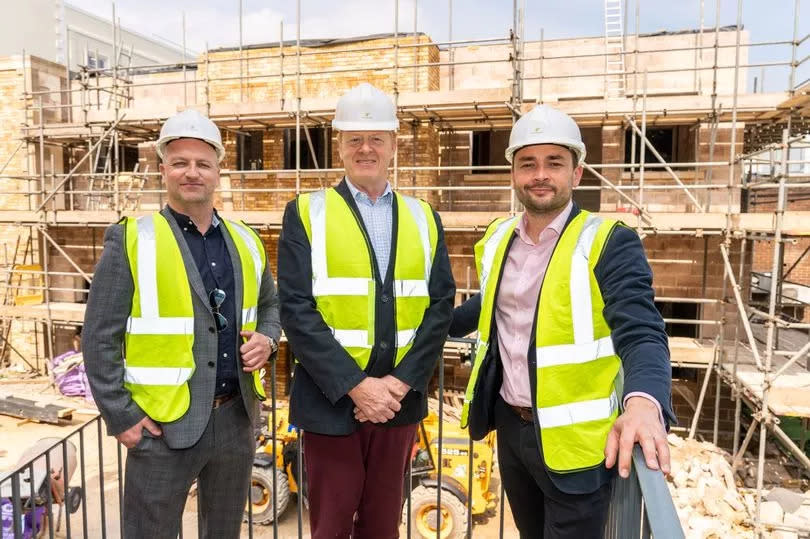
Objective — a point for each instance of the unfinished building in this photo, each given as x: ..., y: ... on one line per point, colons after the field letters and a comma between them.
x: 712, y: 176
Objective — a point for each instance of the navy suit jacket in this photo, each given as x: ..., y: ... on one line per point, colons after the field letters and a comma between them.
x: 637, y: 330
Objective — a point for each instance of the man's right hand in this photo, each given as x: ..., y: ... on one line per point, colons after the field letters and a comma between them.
x: 374, y: 400
x: 132, y: 435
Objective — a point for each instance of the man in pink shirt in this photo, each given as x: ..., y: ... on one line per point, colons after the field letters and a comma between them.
x: 572, y: 363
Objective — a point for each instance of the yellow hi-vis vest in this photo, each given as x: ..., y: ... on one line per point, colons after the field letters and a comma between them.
x: 160, y: 329
x: 343, y: 282
x: 579, y: 376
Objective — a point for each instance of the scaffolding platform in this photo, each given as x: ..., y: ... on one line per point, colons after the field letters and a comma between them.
x: 789, y: 394
x: 688, y: 352
x: 795, y: 223
x: 65, y: 312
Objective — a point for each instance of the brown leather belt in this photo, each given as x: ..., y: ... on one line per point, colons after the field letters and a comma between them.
x: 524, y: 413
x: 219, y: 401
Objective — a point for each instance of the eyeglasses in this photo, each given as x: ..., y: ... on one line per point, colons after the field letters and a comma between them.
x: 216, y: 298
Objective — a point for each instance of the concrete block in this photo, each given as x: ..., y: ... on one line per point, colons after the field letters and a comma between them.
x: 788, y: 499
x: 796, y: 521
x: 771, y: 512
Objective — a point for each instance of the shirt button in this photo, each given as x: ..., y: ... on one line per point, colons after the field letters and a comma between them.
x: 213, y: 263
x: 384, y: 298
x: 212, y: 330
x: 383, y: 345
x: 211, y: 363
x: 224, y: 355
x: 185, y: 228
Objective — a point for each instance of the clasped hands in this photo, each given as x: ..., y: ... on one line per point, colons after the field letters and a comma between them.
x: 377, y: 399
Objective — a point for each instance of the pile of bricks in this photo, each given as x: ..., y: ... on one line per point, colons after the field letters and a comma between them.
x: 710, y: 505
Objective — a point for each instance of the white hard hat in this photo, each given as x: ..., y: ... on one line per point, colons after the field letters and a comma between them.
x: 365, y: 108
x: 546, y: 125
x: 190, y: 124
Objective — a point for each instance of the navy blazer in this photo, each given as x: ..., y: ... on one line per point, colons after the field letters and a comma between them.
x: 637, y: 330
x: 325, y: 372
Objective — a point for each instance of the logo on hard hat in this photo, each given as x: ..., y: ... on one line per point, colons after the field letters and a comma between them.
x: 366, y: 115
x: 538, y: 129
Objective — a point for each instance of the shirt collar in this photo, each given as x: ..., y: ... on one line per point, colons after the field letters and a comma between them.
x: 358, y: 195
x: 557, y: 224
x: 183, y: 219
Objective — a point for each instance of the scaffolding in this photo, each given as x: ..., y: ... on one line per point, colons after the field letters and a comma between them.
x: 98, y: 113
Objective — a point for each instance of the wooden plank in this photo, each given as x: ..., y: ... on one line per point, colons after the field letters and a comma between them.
x: 796, y: 223
x: 30, y: 410
x: 59, y: 312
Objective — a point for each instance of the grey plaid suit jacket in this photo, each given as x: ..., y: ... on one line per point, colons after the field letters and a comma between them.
x: 108, y: 307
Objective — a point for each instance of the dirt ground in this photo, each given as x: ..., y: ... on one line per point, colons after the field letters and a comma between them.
x: 100, y: 480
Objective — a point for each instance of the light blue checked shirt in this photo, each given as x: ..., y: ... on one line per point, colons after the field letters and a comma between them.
x: 377, y: 216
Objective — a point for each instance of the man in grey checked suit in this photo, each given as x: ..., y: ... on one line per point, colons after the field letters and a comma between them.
x: 174, y: 362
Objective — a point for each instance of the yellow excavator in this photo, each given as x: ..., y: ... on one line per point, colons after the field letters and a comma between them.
x: 449, y: 516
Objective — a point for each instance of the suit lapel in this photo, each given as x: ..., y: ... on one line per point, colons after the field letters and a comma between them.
x: 194, y: 278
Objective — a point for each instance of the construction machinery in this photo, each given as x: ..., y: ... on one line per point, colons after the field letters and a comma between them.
x: 446, y: 516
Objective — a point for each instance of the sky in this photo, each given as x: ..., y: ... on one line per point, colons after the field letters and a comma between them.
x: 216, y: 22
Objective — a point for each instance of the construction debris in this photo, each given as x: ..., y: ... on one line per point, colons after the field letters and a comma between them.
x: 451, y: 408
x: 32, y: 411
x: 710, y: 505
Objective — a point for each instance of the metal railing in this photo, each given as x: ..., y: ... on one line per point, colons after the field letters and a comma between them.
x: 73, y: 487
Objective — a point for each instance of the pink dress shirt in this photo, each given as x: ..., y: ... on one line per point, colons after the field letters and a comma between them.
x: 515, y: 307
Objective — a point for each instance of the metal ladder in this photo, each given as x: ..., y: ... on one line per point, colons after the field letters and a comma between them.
x: 614, y: 50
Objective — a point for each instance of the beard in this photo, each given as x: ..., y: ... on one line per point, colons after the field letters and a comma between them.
x: 535, y: 205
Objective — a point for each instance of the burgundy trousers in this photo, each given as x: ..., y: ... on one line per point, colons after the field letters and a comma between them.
x: 355, y: 482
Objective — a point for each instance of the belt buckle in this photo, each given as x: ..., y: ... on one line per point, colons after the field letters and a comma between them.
x: 524, y: 413
x: 219, y: 401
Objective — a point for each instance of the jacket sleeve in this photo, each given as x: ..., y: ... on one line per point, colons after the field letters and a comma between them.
x: 268, y: 322
x: 417, y: 366
x: 330, y: 367
x: 108, y: 307
x: 637, y: 329
x: 465, y: 317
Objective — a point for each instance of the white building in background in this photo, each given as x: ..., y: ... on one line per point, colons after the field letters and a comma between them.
x: 60, y: 32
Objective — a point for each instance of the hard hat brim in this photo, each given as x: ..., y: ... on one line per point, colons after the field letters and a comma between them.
x: 218, y: 148
x: 574, y: 145
x: 365, y: 126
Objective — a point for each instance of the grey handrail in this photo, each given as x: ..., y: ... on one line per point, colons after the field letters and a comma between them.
x: 641, y: 505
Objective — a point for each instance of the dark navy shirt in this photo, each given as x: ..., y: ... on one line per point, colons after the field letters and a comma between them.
x: 214, y: 263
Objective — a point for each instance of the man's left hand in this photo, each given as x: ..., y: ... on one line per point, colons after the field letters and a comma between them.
x: 396, y: 387
x: 255, y: 351
x: 640, y: 423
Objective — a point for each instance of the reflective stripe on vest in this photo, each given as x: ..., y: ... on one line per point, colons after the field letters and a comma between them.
x: 160, y: 330
x: 345, y: 289
x: 253, y: 261
x: 578, y: 374
x: 576, y: 395
x: 488, y: 253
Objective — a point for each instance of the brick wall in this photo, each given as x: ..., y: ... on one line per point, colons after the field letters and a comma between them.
x: 794, y: 250
x: 266, y: 64
x: 686, y: 384
x: 679, y: 270
x: 12, y: 116
x: 687, y: 142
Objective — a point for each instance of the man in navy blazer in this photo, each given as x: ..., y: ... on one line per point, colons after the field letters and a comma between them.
x: 546, y: 152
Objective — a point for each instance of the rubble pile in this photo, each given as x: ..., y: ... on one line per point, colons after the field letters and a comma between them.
x: 710, y: 505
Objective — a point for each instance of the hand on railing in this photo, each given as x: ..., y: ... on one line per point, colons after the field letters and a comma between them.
x: 640, y: 423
